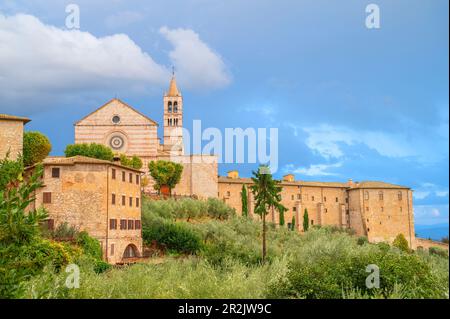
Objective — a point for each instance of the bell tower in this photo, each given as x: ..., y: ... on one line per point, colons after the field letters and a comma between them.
x: 173, y: 119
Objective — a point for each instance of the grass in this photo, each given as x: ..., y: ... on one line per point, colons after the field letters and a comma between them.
x: 323, y: 263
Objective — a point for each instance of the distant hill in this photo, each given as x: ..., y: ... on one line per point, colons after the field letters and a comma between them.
x: 435, y: 232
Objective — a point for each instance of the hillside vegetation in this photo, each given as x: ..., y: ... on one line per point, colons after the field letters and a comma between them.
x: 208, y: 252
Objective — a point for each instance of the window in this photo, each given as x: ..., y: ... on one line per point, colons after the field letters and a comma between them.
x: 292, y: 197
x: 116, y: 119
x: 137, y: 224
x: 47, y: 198
x: 312, y: 222
x: 111, y: 252
x: 123, y: 224
x: 169, y: 107
x: 326, y: 210
x: 113, y: 199
x: 337, y: 200
x: 55, y: 172
x: 113, y: 224
x: 175, y: 107
x: 131, y: 201
x: 366, y: 195
x: 113, y: 174
x: 380, y: 195
x: 123, y: 200
x: 137, y: 202
x: 123, y: 176
x: 367, y: 208
x: 50, y: 224
x: 137, y: 179
x: 299, y: 196
x: 130, y: 178
x: 346, y: 200
x: 130, y: 224
x: 294, y: 209
x: 325, y: 199
x: 228, y: 194
x: 312, y: 198
x: 399, y: 195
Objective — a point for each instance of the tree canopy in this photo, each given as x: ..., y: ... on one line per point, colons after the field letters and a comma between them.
x: 165, y: 173
x: 36, y: 147
x: 93, y: 150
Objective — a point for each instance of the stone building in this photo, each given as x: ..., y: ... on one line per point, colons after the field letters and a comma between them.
x: 127, y: 131
x: 380, y: 211
x: 97, y: 196
x: 11, y: 135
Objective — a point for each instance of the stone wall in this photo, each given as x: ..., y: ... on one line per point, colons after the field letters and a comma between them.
x: 82, y: 197
x: 11, y: 138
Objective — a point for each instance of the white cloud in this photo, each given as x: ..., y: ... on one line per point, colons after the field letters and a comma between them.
x: 431, y: 214
x: 314, y: 169
x: 327, y: 140
x: 197, y: 65
x: 39, y: 60
x: 427, y: 189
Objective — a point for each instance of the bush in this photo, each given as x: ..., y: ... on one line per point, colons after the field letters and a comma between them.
x: 90, y: 246
x: 362, y: 240
x: 93, y: 150
x: 401, y: 243
x: 328, y: 270
x: 438, y: 252
x: 10, y: 172
x: 174, y: 236
x: 63, y: 231
x: 36, y: 147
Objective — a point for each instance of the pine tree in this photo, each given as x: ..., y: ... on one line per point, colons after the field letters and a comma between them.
x: 244, y: 200
x: 305, y: 220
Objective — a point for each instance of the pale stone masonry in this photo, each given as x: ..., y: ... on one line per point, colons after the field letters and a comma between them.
x: 127, y: 131
x: 100, y: 197
x: 380, y: 211
x: 11, y: 135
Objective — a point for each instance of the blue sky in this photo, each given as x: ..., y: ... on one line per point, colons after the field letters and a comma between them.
x: 349, y: 102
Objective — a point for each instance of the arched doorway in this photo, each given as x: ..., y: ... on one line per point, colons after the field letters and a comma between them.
x: 131, y: 251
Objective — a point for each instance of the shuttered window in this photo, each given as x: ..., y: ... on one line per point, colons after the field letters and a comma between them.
x: 113, y: 224
x: 130, y: 224
x: 123, y: 224
x: 55, y: 172
x: 47, y: 198
x: 137, y: 224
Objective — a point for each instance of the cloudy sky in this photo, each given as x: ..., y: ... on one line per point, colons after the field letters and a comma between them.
x: 349, y: 102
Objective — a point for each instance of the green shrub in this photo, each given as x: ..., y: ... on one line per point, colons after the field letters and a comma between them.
x: 11, y: 172
x: 63, y: 231
x: 401, y: 243
x: 90, y: 245
x: 174, y: 236
x: 362, y: 240
x: 101, y: 266
x: 438, y: 251
x: 93, y: 150
x: 36, y: 147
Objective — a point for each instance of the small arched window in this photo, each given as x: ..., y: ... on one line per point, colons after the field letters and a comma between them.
x: 380, y: 195
x: 175, y: 107
x: 366, y: 195
x: 169, y: 107
x: 399, y: 195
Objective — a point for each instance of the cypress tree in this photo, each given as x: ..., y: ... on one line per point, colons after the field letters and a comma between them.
x: 305, y: 220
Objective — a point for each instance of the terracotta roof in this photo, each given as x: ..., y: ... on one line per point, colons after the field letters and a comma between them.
x: 364, y: 184
x: 375, y: 184
x: 60, y: 160
x: 127, y: 105
x: 14, y: 118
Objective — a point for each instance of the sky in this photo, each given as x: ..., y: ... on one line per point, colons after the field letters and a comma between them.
x: 348, y: 101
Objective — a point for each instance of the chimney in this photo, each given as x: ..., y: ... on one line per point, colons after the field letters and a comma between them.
x: 350, y: 182
x: 289, y: 178
x: 116, y: 159
x: 233, y: 174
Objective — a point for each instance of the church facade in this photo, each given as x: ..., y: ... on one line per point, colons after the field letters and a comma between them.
x: 127, y: 131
